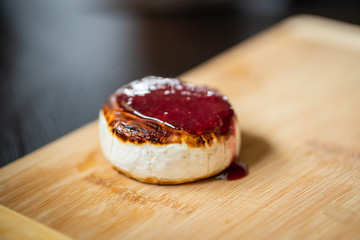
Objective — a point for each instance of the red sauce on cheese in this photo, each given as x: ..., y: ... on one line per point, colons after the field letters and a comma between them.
x: 180, y: 105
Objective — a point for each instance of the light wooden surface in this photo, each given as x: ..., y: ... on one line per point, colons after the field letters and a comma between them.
x: 296, y: 89
x: 16, y: 226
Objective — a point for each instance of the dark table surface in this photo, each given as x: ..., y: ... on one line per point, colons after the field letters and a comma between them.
x: 59, y: 60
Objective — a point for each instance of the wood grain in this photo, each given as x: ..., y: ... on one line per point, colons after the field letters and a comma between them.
x: 296, y: 90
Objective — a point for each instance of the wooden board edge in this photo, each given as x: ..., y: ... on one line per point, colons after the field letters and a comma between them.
x: 317, y: 29
x: 52, y: 145
x: 16, y: 226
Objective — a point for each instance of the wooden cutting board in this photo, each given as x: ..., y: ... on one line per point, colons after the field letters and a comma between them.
x: 296, y: 89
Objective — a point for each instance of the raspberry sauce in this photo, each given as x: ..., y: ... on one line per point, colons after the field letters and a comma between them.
x: 179, y: 105
x: 236, y: 170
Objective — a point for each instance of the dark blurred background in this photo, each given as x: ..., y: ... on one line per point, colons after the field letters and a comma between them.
x: 59, y: 60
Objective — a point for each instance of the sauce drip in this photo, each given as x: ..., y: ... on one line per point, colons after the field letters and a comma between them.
x: 235, y: 171
x: 180, y: 105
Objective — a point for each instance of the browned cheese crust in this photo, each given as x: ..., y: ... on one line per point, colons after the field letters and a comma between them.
x: 129, y: 127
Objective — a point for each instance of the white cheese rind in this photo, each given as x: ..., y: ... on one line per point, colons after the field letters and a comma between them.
x: 168, y: 162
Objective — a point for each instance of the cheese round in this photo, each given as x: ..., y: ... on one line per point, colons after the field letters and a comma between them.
x: 164, y: 131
